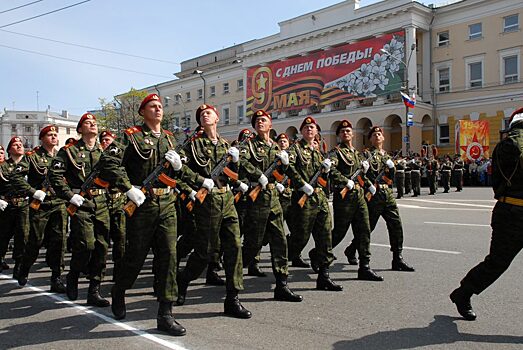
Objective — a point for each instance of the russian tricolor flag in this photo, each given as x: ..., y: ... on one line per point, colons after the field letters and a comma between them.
x: 409, y: 102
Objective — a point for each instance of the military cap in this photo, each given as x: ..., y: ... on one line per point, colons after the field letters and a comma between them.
x: 282, y: 136
x: 86, y: 116
x: 69, y: 140
x: 343, y: 124
x: 13, y: 140
x: 260, y: 113
x: 373, y: 130
x: 244, y: 133
x: 146, y: 100
x: 203, y: 108
x: 107, y: 133
x: 47, y: 129
x: 310, y: 120
x: 516, y: 117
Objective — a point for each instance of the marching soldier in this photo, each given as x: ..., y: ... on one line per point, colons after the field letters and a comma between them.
x: 399, y: 179
x: 125, y: 164
x: 432, y: 174
x: 264, y: 215
x: 90, y: 223
x: 408, y: 181
x: 351, y: 209
x: 284, y: 188
x: 15, y: 217
x: 446, y: 172
x: 3, y: 204
x: 314, y: 217
x: 47, y: 217
x: 383, y: 202
x: 215, y: 213
x: 507, y: 218
x: 457, y: 171
x: 415, y: 176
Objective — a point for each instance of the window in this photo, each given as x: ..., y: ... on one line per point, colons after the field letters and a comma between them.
x: 239, y: 84
x: 443, y: 39
x: 475, y: 31
x: 510, y: 23
x: 13, y: 128
x: 177, y: 98
x: 225, y: 88
x: 187, y: 96
x: 475, y: 71
x: 200, y: 94
x: 176, y: 120
x: 68, y: 131
x: 240, y: 113
x: 166, y: 101
x: 187, y: 120
x: 226, y: 116
x: 213, y: 91
x: 27, y: 129
x: 510, y: 69
x: 444, y: 133
x: 444, y: 80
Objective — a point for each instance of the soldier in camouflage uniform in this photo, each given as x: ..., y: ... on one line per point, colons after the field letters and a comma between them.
x: 90, y: 223
x: 314, y: 217
x: 216, y: 214
x: 432, y: 174
x: 351, y: 209
x: 446, y: 172
x: 408, y: 181
x: 125, y: 164
x: 284, y: 188
x: 264, y: 215
x: 3, y: 204
x: 457, y: 172
x: 507, y: 218
x: 399, y: 180
x: 383, y: 202
x: 415, y: 176
x: 15, y: 217
x: 47, y: 216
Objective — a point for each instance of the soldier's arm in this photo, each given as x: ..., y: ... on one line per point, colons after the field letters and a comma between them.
x: 111, y: 164
x: 338, y: 179
x: 19, y: 180
x: 187, y: 174
x: 247, y: 169
x: 57, y: 172
x: 296, y: 179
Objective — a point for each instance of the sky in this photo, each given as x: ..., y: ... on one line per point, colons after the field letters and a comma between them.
x: 167, y: 32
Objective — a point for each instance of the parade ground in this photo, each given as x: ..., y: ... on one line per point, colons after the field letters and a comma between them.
x: 445, y: 236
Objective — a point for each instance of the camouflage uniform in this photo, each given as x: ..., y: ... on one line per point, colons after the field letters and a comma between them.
x: 457, y: 172
x: 408, y: 179
x: 446, y: 172
x: 399, y: 180
x: 415, y: 176
x: 115, y: 202
x: 432, y: 174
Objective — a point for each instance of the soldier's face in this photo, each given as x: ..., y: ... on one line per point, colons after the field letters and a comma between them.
x: 153, y: 112
x: 345, y: 135
x: 377, y: 139
x: 209, y: 117
x: 309, y: 132
x: 106, y: 141
x: 263, y: 125
x: 89, y: 127
x: 50, y: 139
x: 2, y: 155
x: 17, y: 149
x: 283, y: 143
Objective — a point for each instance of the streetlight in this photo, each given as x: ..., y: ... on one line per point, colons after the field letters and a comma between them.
x: 412, y: 48
x: 200, y: 73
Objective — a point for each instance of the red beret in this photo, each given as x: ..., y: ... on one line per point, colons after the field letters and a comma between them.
x: 13, y: 140
x: 86, y: 116
x: 244, y: 133
x: 203, y: 108
x: 373, y: 130
x: 46, y: 129
x: 260, y: 113
x: 343, y: 124
x: 107, y: 133
x: 516, y: 116
x: 282, y: 136
x: 309, y: 120
x: 149, y: 98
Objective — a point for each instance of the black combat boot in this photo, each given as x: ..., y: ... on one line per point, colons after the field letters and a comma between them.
x: 324, y: 282
x: 118, y: 303
x: 299, y: 262
x: 57, y: 286
x: 365, y: 273
x: 182, y: 290
x: 22, y: 275
x: 3, y: 265
x: 16, y: 269
x: 165, y: 321
x: 212, y: 278
x: 94, y: 298
x: 461, y: 297
x: 282, y: 291
x: 398, y: 264
x: 314, y: 261
x: 71, y: 288
x: 233, y: 307
x: 350, y: 253
x: 254, y: 270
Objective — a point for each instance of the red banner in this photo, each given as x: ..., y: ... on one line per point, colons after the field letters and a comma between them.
x: 472, y: 139
x: 347, y: 72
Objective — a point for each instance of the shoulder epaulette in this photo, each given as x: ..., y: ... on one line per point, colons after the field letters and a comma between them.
x: 133, y: 130
x: 70, y: 144
x: 168, y: 132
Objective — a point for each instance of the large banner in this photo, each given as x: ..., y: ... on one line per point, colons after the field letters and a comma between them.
x: 472, y: 139
x: 347, y: 72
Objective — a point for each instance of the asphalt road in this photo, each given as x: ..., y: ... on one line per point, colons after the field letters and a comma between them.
x: 445, y: 235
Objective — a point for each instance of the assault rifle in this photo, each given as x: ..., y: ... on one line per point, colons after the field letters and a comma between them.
x: 158, y: 175
x: 46, y: 186
x: 381, y: 176
x: 271, y: 170
x: 355, y: 176
x: 91, y: 180
x: 316, y: 179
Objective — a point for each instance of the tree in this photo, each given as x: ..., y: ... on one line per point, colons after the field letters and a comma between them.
x: 122, y: 112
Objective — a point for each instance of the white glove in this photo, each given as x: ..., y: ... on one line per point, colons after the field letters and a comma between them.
x: 3, y: 204
x: 327, y: 163
x: 365, y: 166
x: 234, y: 153
x: 174, y: 158
x: 263, y: 181
x: 284, y: 157
x: 350, y: 184
x: 372, y: 189
x: 243, y: 187
x: 280, y: 187
x: 307, y: 189
x: 192, y: 195
x: 389, y: 163
x: 208, y: 184
x: 39, y: 195
x: 77, y: 200
x: 136, y: 195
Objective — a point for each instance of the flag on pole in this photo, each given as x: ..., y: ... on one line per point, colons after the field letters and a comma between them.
x: 409, y: 102
x: 187, y: 130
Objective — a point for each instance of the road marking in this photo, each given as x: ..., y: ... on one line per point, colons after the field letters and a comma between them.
x: 409, y: 206
x: 452, y: 203
x: 89, y: 311
x: 421, y: 249
x: 454, y: 224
